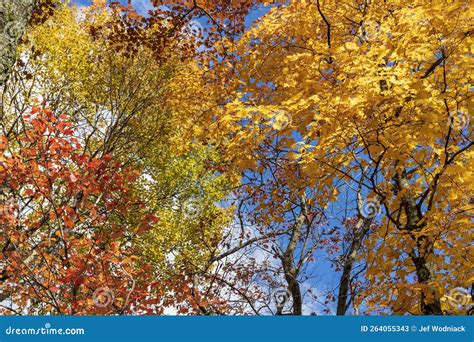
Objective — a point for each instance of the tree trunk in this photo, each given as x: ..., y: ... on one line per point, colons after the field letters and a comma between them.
x: 424, y: 273
x: 290, y: 269
x: 420, y: 255
x: 14, y: 16
x: 362, y: 227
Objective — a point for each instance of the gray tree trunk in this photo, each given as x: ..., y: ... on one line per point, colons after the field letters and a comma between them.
x: 14, y: 16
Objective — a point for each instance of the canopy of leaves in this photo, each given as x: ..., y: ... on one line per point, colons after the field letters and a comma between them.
x: 317, y: 160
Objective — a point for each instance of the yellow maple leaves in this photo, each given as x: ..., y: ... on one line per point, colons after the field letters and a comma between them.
x: 380, y: 86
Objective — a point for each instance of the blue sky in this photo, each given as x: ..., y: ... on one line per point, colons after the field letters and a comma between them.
x: 142, y: 7
x: 325, y: 277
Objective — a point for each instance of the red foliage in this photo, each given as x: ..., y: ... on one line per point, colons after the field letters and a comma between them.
x: 67, y: 222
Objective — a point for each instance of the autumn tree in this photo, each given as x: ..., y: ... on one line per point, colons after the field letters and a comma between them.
x: 206, y: 21
x: 318, y: 159
x: 64, y: 222
x: 378, y: 94
x: 117, y: 108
